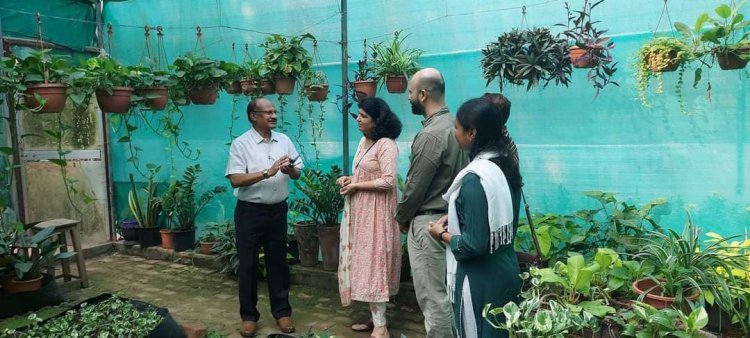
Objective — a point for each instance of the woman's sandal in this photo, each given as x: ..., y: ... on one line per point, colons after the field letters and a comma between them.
x: 384, y: 334
x: 363, y: 327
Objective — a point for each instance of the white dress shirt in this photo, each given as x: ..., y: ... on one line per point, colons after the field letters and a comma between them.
x: 250, y: 153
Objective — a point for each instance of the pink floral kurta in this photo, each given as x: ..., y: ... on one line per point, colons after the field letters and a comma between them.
x: 370, y: 263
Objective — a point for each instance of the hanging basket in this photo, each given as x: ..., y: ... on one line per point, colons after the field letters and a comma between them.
x: 663, y: 64
x: 365, y: 88
x: 204, y: 95
x: 317, y: 93
x: 250, y: 87
x: 395, y: 84
x: 267, y: 87
x: 54, y: 93
x: 731, y: 59
x: 117, y: 102
x: 155, y: 97
x: 582, y: 58
x: 284, y: 85
x: 234, y: 88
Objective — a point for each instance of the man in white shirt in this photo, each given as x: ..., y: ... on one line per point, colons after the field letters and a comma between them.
x: 261, y: 162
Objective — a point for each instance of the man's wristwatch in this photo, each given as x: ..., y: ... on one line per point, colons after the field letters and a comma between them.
x: 265, y: 174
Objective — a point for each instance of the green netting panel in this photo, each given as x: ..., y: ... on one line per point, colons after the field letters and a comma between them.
x: 569, y: 142
x: 68, y: 23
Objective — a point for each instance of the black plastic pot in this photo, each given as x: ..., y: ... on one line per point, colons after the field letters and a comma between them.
x: 307, y: 241
x: 184, y: 239
x: 22, y: 302
x: 149, y: 237
x: 292, y: 250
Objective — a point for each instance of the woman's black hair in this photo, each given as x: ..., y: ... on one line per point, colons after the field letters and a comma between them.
x: 484, y: 116
x: 386, y: 122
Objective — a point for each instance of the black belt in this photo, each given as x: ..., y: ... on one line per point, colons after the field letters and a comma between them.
x: 431, y: 212
x: 262, y: 205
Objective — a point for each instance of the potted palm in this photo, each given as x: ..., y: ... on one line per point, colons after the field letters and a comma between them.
x: 200, y: 76
x: 395, y: 62
x: 316, y: 86
x: 43, y: 73
x: 286, y: 60
x: 322, y: 203
x: 590, y: 48
x: 182, y: 199
x: 531, y: 57
x: 146, y: 209
x: 728, y: 39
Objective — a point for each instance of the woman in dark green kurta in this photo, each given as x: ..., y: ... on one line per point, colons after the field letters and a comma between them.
x: 482, y: 245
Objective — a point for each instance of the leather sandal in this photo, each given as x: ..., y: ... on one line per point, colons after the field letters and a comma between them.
x: 363, y: 327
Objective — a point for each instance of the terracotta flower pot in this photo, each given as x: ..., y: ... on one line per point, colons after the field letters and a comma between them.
x: 16, y: 286
x: 250, y: 86
x: 365, y: 88
x: 317, y: 93
x: 284, y: 85
x: 234, y: 88
x: 730, y: 60
x: 670, y: 65
x: 395, y: 83
x: 307, y: 242
x: 167, y: 239
x: 580, y: 58
x: 329, y: 246
x: 207, y: 248
x: 117, y: 102
x: 653, y: 293
x: 204, y: 95
x: 54, y: 93
x: 155, y: 103
x: 267, y: 87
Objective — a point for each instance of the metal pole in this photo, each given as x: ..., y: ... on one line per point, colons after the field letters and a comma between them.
x: 105, y: 136
x: 99, y: 30
x: 345, y: 87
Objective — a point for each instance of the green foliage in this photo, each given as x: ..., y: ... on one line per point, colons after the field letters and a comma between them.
x: 10, y: 77
x: 113, y: 317
x: 32, y: 252
x: 657, y: 54
x: 729, y: 32
x: 108, y: 73
x: 180, y: 201
x: 315, y: 78
x: 146, y: 216
x: 533, y: 56
x: 322, y: 202
x: 39, y: 66
x: 645, y: 321
x: 530, y: 319
x: 286, y: 57
x: 194, y: 71
x: 234, y: 72
x: 394, y: 58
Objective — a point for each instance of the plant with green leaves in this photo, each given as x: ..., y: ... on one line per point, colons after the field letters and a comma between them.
x: 182, y: 201
x: 147, y: 216
x: 656, y: 56
x: 193, y: 71
x: 235, y: 73
x: 108, y: 73
x: 286, y: 57
x: 682, y: 266
x: 10, y: 77
x: 32, y: 252
x: 322, y: 202
x: 394, y: 58
x: 530, y: 319
x: 729, y: 34
x: 645, y: 321
x: 41, y: 66
x: 531, y: 56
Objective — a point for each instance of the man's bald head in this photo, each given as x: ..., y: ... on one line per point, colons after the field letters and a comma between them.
x: 430, y: 80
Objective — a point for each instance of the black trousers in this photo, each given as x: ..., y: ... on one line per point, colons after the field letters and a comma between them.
x: 263, y: 225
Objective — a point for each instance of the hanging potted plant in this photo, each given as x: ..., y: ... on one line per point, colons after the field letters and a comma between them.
x: 151, y: 87
x: 146, y: 208
x: 729, y: 38
x: 365, y: 83
x: 200, y: 76
x: 286, y: 60
x: 181, y: 197
x: 256, y: 81
x: 113, y: 84
x: 590, y: 48
x: 530, y: 57
x: 322, y: 204
x: 235, y: 73
x: 42, y: 76
x: 316, y: 86
x: 662, y: 54
x: 395, y: 63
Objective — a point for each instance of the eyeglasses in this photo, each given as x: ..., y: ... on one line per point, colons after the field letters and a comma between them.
x: 266, y: 112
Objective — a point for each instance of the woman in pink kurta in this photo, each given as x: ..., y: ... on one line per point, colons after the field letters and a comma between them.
x: 370, y: 262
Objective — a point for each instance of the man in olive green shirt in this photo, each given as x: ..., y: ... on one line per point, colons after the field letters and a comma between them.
x: 435, y: 160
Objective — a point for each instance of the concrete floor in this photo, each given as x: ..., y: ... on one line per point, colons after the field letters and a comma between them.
x: 201, y: 295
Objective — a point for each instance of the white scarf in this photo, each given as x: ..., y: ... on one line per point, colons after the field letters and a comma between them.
x: 499, y: 213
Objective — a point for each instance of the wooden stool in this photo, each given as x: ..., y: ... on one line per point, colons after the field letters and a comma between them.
x: 70, y: 226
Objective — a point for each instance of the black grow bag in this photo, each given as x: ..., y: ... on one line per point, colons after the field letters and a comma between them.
x: 22, y: 302
x: 168, y: 328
